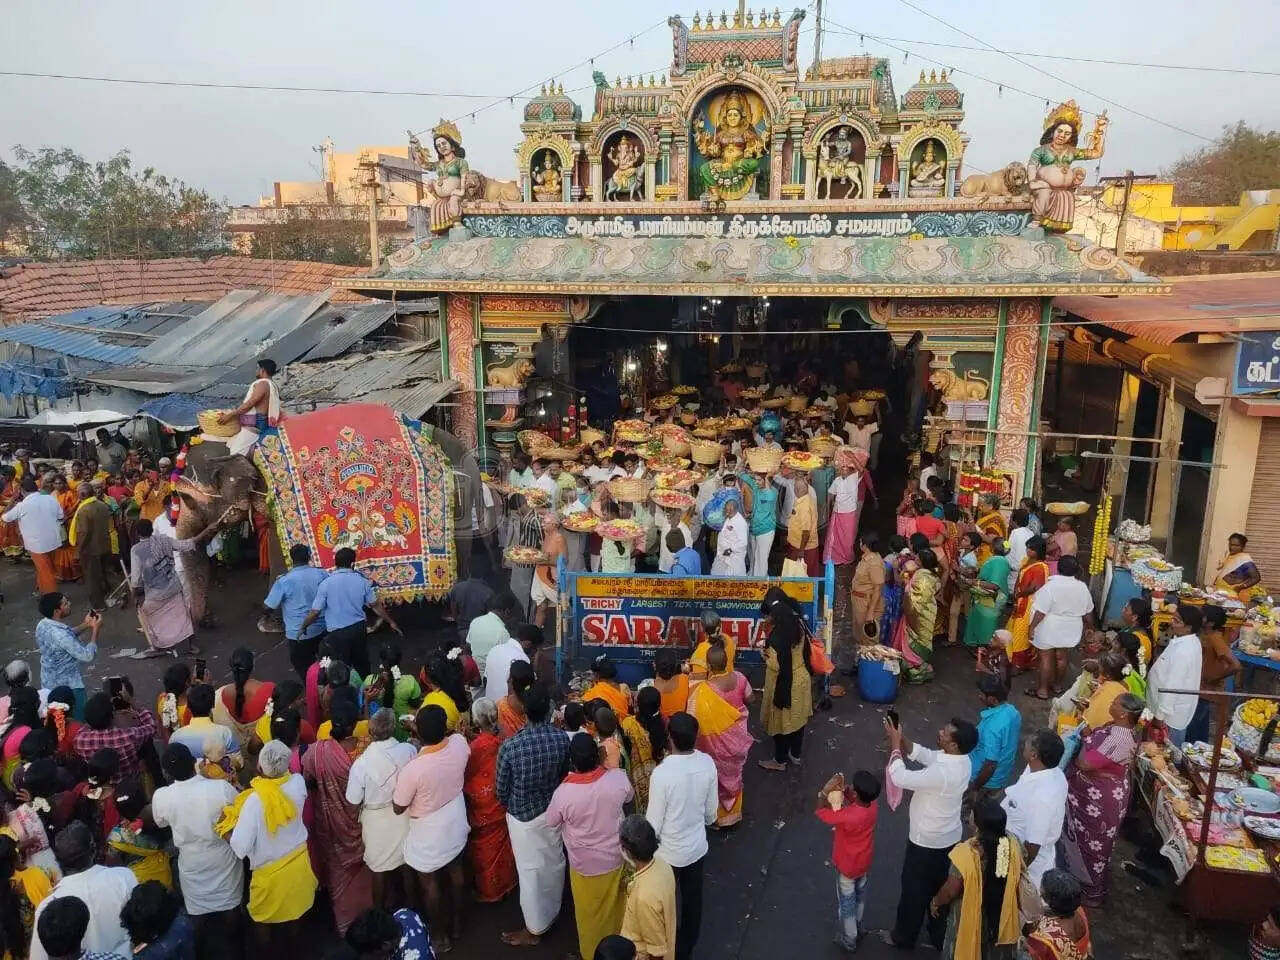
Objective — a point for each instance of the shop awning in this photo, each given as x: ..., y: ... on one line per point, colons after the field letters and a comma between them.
x: 903, y: 266
x: 1222, y: 304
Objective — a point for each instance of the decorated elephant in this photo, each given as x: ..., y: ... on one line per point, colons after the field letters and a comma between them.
x: 374, y: 512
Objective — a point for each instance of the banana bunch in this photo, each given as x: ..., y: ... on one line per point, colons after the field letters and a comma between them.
x: 1258, y: 713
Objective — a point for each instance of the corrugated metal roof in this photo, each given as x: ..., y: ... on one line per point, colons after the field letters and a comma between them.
x: 87, y: 346
x: 347, y: 326
x: 106, y: 334
x: 1209, y: 304
x: 240, y: 325
x: 406, y: 380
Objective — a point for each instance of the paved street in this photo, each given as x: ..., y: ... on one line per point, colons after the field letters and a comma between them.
x: 769, y: 886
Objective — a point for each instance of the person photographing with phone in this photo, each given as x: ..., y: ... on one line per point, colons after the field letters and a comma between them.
x: 938, y: 790
x: 62, y: 651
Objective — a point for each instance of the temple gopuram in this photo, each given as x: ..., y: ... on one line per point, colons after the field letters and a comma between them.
x: 670, y: 225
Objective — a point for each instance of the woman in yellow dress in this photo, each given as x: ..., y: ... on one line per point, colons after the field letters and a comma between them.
x: 991, y: 525
x: 646, y: 733
x: 1033, y: 575
x: 66, y: 563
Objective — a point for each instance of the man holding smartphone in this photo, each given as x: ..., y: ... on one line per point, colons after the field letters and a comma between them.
x: 938, y: 789
x: 62, y: 651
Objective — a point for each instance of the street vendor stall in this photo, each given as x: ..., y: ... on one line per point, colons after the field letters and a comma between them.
x: 1217, y: 809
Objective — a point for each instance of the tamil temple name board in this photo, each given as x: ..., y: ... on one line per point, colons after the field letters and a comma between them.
x: 1258, y: 362
x: 934, y: 224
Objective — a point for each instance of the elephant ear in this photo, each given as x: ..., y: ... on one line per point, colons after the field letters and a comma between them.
x: 193, y: 495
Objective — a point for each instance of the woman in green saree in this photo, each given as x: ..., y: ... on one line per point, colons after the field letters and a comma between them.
x: 919, y: 612
x: 988, y: 596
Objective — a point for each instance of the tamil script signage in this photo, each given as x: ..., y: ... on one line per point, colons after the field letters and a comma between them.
x: 629, y: 617
x: 979, y: 223
x: 1258, y: 362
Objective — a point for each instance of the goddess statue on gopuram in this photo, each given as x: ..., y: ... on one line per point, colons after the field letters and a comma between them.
x: 1052, y: 180
x: 733, y: 149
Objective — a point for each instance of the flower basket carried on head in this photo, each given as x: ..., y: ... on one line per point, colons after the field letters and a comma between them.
x: 531, y: 441
x: 675, y: 446
x: 861, y: 408
x: 706, y: 452
x: 590, y: 435
x: 797, y: 403
x: 775, y: 403
x: 823, y: 446
x: 684, y: 390
x: 560, y: 453
x: 629, y: 489
x: 688, y: 419
x: 208, y: 420
x: 763, y: 460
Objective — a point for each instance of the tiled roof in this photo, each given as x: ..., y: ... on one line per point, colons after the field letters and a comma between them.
x: 33, y: 290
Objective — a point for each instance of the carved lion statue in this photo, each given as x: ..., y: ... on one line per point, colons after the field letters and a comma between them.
x: 1009, y: 182
x: 971, y: 388
x: 476, y: 186
x: 511, y: 375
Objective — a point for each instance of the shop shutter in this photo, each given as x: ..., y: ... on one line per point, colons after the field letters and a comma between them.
x: 1263, y: 525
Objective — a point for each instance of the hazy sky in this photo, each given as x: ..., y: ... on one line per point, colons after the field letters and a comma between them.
x: 237, y: 142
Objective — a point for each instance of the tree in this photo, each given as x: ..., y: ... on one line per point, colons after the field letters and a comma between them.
x: 325, y: 232
x: 107, y: 209
x: 1241, y: 159
x: 13, y: 216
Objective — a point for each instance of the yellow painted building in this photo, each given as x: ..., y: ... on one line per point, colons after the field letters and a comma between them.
x: 1250, y: 224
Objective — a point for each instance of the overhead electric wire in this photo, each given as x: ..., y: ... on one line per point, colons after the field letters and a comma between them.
x: 1053, y: 76
x: 1248, y: 71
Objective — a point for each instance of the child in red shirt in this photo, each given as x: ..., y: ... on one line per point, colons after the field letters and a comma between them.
x: 852, y: 811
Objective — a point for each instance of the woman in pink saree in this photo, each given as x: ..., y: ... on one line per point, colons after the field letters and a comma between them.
x: 719, y: 704
x: 339, y: 847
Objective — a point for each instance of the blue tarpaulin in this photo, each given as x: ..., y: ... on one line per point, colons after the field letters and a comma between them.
x: 175, y: 410
x: 48, y: 379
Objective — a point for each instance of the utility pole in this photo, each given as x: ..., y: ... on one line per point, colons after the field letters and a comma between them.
x: 369, y: 168
x: 1127, y: 180
x: 817, y: 33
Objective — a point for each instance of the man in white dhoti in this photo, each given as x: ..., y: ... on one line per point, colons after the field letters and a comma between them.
x: 731, y: 545
x: 531, y: 764
x: 261, y: 409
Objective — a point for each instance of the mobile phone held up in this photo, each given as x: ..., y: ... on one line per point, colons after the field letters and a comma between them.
x: 892, y: 716
x: 202, y: 667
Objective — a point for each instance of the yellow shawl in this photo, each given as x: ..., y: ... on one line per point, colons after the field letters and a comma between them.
x: 968, y: 863
x: 277, y: 809
x: 713, y: 712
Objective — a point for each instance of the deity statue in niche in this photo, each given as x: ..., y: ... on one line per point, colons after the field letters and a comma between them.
x: 728, y: 137
x: 928, y: 171
x: 546, y: 178
x: 1051, y: 178
x: 627, y: 157
x: 837, y: 162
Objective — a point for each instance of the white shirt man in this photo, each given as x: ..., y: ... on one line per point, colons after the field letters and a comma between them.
x: 39, y: 519
x: 845, y: 491
x: 497, y: 667
x: 937, y: 793
x: 1036, y: 806
x: 104, y: 890
x: 731, y: 548
x: 212, y: 876
x: 252, y: 839
x: 1065, y: 602
x: 1178, y: 668
x: 547, y: 483
x: 682, y: 802
x: 1017, y: 552
x: 665, y: 557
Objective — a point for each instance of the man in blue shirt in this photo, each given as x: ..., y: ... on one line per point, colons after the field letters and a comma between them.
x: 999, y: 727
x: 62, y: 652
x: 341, y: 600
x: 686, y: 561
x: 293, y: 595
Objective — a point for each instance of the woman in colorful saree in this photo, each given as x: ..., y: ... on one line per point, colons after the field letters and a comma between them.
x: 265, y: 825
x: 10, y: 538
x: 712, y: 636
x: 892, y: 594
x: 646, y: 733
x: 1033, y: 575
x: 914, y: 637
x: 1062, y: 933
x: 66, y: 562
x: 719, y: 704
x: 240, y: 704
x: 489, y: 846
x: 987, y: 596
x: 984, y: 877
x: 339, y: 844
x: 991, y: 524
x: 1237, y: 573
x: 1098, y: 796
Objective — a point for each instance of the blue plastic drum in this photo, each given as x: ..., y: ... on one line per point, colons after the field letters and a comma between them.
x: 875, y: 683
